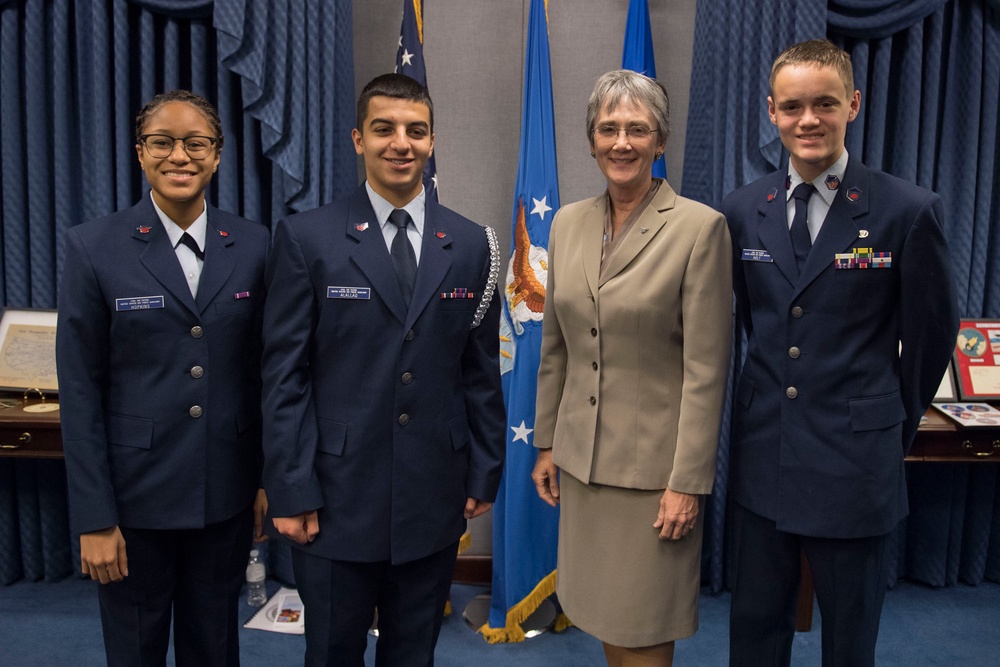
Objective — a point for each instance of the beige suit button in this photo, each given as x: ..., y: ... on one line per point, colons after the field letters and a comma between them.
x: 593, y: 401
x: 197, y: 372
x: 593, y: 332
x: 791, y: 392
x: 404, y: 419
x: 195, y: 411
x: 197, y: 332
x: 794, y: 352
x: 407, y: 378
x: 594, y: 365
x: 797, y: 311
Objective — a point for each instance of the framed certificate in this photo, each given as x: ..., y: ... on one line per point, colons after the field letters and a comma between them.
x: 946, y: 391
x: 977, y: 359
x: 28, y: 349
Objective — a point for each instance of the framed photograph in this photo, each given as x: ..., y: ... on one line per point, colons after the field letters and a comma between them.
x: 28, y: 349
x: 977, y: 359
x: 946, y: 390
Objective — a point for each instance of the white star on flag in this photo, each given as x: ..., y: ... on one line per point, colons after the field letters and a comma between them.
x: 407, y: 57
x: 434, y: 180
x: 521, y: 432
x: 400, y: 40
x: 541, y: 208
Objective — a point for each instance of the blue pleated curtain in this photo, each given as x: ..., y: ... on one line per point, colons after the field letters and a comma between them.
x: 73, y: 75
x: 929, y: 75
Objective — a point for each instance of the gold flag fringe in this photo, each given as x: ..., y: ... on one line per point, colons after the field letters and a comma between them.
x: 516, y: 615
x: 465, y: 542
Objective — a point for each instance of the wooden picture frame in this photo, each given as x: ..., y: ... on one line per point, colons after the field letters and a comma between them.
x: 977, y: 359
x: 28, y: 350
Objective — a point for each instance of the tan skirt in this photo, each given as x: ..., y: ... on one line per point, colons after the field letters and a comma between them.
x: 616, y: 580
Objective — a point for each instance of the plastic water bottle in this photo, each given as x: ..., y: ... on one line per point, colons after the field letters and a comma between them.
x: 256, y: 579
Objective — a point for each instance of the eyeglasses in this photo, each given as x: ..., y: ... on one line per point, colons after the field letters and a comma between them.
x: 162, y: 145
x: 636, y: 133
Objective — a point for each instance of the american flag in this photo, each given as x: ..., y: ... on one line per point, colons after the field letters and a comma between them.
x: 410, y: 61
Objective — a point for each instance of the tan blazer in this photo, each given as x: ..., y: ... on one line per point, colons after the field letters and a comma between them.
x: 634, y: 363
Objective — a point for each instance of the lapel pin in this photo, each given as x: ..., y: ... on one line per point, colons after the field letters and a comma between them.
x: 854, y: 194
x: 223, y: 234
x: 773, y: 193
x: 643, y: 230
x: 832, y: 182
x: 361, y: 227
x: 863, y: 234
x: 241, y: 295
x: 440, y: 235
x: 143, y: 230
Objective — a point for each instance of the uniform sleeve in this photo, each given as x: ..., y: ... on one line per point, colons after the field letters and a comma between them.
x: 706, y: 312
x: 290, y: 430
x: 82, y: 359
x: 484, y: 399
x: 928, y: 313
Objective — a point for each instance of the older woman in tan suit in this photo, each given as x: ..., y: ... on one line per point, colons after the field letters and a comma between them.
x: 635, y: 354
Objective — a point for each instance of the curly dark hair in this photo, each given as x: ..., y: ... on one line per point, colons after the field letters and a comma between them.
x: 203, y: 105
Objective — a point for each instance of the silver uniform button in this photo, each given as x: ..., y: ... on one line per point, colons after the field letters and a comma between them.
x: 791, y: 392
x: 197, y: 332
x: 794, y: 352
x: 197, y: 372
x: 797, y: 311
x: 409, y: 335
x: 407, y: 378
x: 404, y: 419
x: 195, y: 411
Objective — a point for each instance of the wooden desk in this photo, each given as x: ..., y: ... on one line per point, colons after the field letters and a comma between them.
x: 29, y: 434
x: 938, y: 440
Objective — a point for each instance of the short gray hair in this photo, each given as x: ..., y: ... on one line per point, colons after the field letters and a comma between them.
x: 619, y: 85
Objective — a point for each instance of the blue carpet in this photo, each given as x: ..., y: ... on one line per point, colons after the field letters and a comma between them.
x: 55, y: 624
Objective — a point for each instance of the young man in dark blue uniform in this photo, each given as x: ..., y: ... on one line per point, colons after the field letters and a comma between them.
x: 843, y: 287
x: 384, y: 417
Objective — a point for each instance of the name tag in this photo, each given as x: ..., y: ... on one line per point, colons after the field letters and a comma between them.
x: 139, y: 303
x: 348, y: 292
x: 757, y: 256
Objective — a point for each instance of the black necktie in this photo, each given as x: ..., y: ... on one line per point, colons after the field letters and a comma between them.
x: 189, y: 241
x: 403, y: 258
x: 801, y: 243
